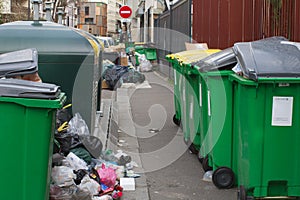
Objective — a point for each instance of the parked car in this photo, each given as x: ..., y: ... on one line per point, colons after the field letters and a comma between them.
x: 107, y: 41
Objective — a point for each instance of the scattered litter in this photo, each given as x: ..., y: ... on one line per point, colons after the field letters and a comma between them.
x: 104, y: 197
x: 128, y: 184
x: 153, y: 130
x: 75, y: 162
x: 63, y: 176
x: 132, y: 164
x: 90, y: 186
x: 208, y: 176
x: 78, y: 126
x: 82, y: 170
x: 128, y: 85
x: 121, y: 144
x: 107, y: 175
x: 145, y: 84
x: 120, y: 153
x: 131, y: 174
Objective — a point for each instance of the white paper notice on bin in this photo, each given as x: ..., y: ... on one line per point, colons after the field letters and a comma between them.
x: 282, y: 111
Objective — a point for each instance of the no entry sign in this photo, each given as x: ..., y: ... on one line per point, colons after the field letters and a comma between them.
x: 125, y: 11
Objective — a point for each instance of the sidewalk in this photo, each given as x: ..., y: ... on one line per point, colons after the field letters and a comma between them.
x: 133, y: 115
x: 115, y: 122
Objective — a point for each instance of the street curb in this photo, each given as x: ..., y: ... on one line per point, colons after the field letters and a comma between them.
x: 124, y: 126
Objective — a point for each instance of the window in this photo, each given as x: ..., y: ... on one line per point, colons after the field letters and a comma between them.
x: 87, y: 10
x: 89, y: 20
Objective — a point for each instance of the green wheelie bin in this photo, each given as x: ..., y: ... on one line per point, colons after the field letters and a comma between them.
x: 216, y: 143
x: 27, y: 116
x: 266, y: 120
x: 190, y: 98
x: 177, y: 84
x: 207, y: 82
x: 179, y: 61
x: 182, y: 87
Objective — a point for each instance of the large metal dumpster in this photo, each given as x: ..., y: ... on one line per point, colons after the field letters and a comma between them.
x: 68, y: 57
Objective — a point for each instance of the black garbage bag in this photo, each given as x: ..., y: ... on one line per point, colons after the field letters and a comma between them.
x: 79, y: 175
x: 116, y: 75
x: 113, y: 75
x: 63, y: 115
x: 92, y: 144
x: 67, y: 141
x: 133, y: 76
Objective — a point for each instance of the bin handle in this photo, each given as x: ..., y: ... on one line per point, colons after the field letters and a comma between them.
x: 63, y: 127
x: 67, y: 106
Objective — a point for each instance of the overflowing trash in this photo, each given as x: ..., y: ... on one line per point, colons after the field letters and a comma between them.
x: 116, y: 75
x: 82, y: 169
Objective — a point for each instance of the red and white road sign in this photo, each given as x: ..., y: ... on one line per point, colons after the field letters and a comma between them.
x: 125, y: 11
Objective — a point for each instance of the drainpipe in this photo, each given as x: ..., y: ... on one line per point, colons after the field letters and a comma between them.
x: 36, y: 5
x: 190, y: 20
x: 48, y: 8
x: 60, y: 13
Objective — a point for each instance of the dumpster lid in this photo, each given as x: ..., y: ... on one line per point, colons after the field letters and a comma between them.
x: 18, y: 63
x: 273, y: 57
x: 28, y: 89
x: 221, y: 60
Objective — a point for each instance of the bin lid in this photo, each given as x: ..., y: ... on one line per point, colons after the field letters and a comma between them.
x: 275, y: 57
x: 18, y: 63
x: 193, y: 56
x: 221, y: 60
x: 28, y: 89
x: 48, y: 38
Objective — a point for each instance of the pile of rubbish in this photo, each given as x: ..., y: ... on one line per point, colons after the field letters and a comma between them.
x: 81, y: 169
x: 116, y: 75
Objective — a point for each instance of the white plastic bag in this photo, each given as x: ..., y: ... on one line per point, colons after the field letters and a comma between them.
x: 78, y: 126
x: 90, y: 186
x: 75, y: 162
x: 105, y: 197
x: 63, y: 176
x: 145, y: 65
x: 208, y: 176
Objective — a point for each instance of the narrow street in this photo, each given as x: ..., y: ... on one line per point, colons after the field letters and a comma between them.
x: 169, y: 170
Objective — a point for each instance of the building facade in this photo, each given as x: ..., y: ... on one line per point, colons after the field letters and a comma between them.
x: 5, y: 6
x: 147, y: 11
x: 92, y: 17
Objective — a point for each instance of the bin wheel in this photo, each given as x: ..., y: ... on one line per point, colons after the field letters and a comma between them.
x: 193, y: 149
x: 191, y: 146
x: 223, y: 178
x: 205, y: 164
x: 200, y: 157
x: 241, y: 194
x: 176, y: 121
